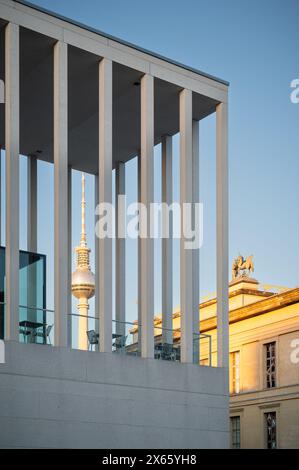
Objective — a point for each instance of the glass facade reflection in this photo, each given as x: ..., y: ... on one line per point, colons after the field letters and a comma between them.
x: 32, y: 295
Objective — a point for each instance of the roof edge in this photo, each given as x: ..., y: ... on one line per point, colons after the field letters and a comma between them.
x: 120, y: 41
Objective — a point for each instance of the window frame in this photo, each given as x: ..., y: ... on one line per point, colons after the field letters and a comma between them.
x: 231, y: 419
x: 267, y: 343
x: 265, y: 427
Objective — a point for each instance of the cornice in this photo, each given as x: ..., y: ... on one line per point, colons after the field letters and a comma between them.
x: 241, y: 291
x: 260, y: 307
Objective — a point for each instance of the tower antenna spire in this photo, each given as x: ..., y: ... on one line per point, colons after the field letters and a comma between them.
x: 83, y: 205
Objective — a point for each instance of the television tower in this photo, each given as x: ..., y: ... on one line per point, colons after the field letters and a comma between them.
x: 83, y: 281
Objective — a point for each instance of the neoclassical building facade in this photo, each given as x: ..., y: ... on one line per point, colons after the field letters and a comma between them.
x: 264, y: 361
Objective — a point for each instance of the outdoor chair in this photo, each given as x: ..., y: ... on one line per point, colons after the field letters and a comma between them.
x: 44, y: 334
x: 92, y: 338
x: 120, y: 343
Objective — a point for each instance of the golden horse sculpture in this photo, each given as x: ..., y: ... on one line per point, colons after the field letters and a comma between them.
x: 241, y: 264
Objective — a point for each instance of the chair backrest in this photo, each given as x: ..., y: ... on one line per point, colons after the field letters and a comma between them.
x: 92, y: 337
x: 48, y: 330
x: 120, y: 342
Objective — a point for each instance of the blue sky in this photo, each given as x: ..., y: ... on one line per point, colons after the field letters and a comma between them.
x: 254, y: 45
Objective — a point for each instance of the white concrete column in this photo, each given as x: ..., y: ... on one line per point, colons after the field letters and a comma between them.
x: 222, y: 234
x: 96, y: 252
x: 120, y: 250
x: 139, y: 258
x: 167, y: 226
x: 105, y: 196
x: 32, y: 314
x: 146, y: 197
x: 186, y: 270
x: 70, y: 259
x: 12, y: 131
x: 32, y: 203
x: 195, y: 254
x: 61, y: 251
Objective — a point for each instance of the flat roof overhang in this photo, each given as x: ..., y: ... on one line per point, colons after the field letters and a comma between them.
x: 36, y: 102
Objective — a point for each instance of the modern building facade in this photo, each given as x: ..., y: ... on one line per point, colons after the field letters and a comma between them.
x: 32, y: 290
x: 264, y: 361
x: 80, y: 99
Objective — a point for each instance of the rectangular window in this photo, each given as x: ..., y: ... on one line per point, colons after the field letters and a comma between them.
x: 235, y: 432
x: 235, y: 371
x: 270, y: 350
x: 271, y: 430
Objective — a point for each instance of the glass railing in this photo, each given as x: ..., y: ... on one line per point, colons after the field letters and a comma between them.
x: 36, y: 325
x: 202, y: 349
x: 83, y: 332
x: 125, y: 338
x: 167, y: 345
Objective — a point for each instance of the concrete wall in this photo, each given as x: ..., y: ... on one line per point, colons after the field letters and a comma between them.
x: 56, y: 397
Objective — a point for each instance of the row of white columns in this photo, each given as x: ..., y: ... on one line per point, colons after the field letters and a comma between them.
x: 189, y: 184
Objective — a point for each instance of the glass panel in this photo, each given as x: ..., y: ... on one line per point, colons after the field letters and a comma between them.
x: 203, y: 349
x: 32, y: 283
x: 84, y: 332
x: 32, y: 290
x: 167, y: 346
x: 125, y: 338
x: 36, y: 325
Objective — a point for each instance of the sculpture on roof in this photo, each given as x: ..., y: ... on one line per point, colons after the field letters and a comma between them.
x: 240, y: 264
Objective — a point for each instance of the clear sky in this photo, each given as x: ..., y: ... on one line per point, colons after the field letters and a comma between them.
x: 253, y: 45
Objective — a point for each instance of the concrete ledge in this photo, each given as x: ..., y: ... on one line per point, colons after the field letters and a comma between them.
x: 56, y: 397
